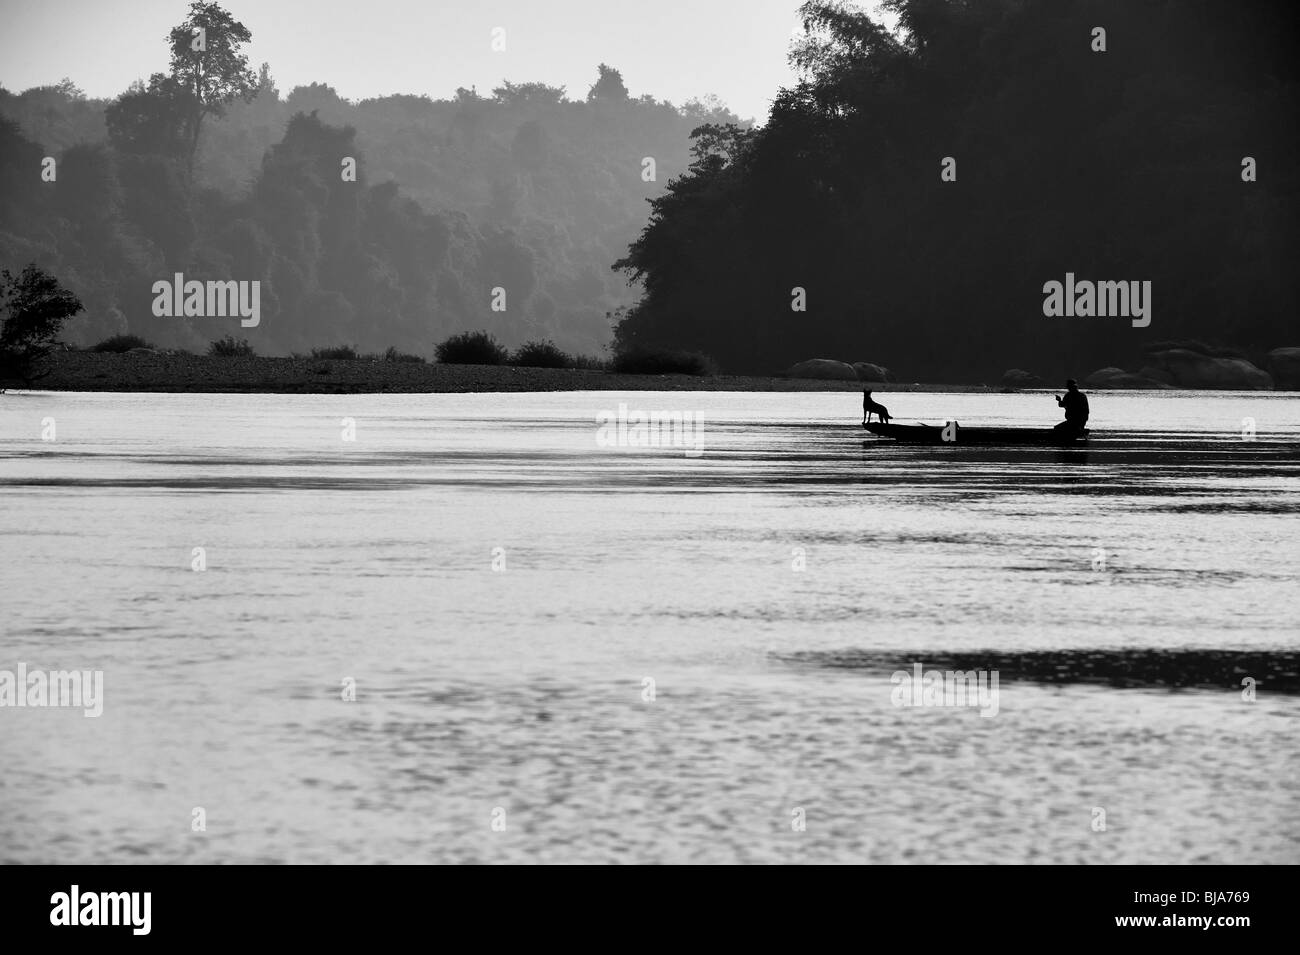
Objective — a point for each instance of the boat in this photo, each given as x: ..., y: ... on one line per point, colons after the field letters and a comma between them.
x: 954, y: 433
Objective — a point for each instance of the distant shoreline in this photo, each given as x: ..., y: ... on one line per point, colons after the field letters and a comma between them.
x: 165, y: 372
x: 162, y: 372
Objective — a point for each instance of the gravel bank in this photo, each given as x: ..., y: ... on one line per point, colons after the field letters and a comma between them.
x: 141, y: 371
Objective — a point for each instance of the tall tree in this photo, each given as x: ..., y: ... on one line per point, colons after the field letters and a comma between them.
x: 266, y: 83
x: 608, y: 87
x: 208, y: 60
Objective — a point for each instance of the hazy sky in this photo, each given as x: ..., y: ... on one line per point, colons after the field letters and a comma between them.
x: 672, y: 49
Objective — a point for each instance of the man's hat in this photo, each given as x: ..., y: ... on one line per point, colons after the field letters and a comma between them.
x: 1070, y: 382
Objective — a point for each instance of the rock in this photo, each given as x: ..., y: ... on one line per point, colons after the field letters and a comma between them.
x: 823, y: 368
x: 1019, y: 378
x: 1102, y: 377
x: 1119, y: 378
x: 1156, y: 374
x: 1190, y: 369
x: 1284, y: 363
x: 867, y: 371
x: 141, y: 351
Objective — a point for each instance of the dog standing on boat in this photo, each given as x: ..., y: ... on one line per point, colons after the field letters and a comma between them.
x: 870, y: 407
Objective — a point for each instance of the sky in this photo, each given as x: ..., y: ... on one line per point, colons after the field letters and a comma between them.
x: 672, y: 49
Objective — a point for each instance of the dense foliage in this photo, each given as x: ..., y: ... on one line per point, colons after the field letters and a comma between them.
x: 228, y: 346
x: 1116, y: 165
x: 640, y: 360
x: 120, y: 343
x: 542, y: 354
x: 33, y: 308
x: 520, y: 189
x: 471, y: 348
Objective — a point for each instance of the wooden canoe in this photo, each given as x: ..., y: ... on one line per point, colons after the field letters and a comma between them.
x: 934, y: 434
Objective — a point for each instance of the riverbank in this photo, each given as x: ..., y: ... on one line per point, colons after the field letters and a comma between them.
x: 162, y: 372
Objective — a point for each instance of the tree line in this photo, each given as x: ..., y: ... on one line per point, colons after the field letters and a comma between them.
x: 919, y: 186
x: 208, y: 170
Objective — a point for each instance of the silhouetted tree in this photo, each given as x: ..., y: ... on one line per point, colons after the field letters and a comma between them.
x: 1123, y: 165
x: 35, y: 307
x: 608, y: 87
x: 207, y: 60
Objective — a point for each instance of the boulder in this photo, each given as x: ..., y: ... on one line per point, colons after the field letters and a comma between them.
x: 1019, y: 378
x: 1190, y: 369
x: 867, y: 371
x: 1102, y: 377
x: 1119, y: 378
x: 823, y: 368
x: 1284, y: 363
x: 1156, y: 374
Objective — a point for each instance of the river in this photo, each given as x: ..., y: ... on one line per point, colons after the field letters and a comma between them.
x: 563, y: 649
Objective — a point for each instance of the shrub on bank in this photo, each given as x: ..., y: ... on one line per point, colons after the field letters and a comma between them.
x: 394, y: 355
x: 121, y: 343
x: 338, y: 352
x: 543, y: 354
x: 663, y: 361
x: 589, y: 363
x: 231, y: 347
x: 471, y: 348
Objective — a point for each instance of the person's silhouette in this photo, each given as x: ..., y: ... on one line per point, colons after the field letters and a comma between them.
x: 1075, y: 404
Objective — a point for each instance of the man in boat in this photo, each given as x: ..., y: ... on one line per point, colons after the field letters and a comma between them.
x: 1075, y: 404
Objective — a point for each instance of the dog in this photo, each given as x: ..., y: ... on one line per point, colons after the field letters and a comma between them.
x: 870, y: 407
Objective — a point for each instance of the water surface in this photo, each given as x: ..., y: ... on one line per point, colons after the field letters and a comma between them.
x: 769, y: 587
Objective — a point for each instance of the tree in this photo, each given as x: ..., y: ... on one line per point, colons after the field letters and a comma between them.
x: 528, y: 94
x: 567, y: 177
x: 609, y: 87
x: 152, y: 119
x: 207, y: 60
x: 1118, y: 170
x: 710, y: 109
x: 88, y: 195
x: 70, y: 89
x: 18, y: 156
x: 529, y: 145
x: 35, y: 307
x: 317, y: 98
x: 266, y: 83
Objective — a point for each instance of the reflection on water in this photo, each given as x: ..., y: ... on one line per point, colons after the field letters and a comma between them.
x: 1272, y: 672
x: 500, y: 588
